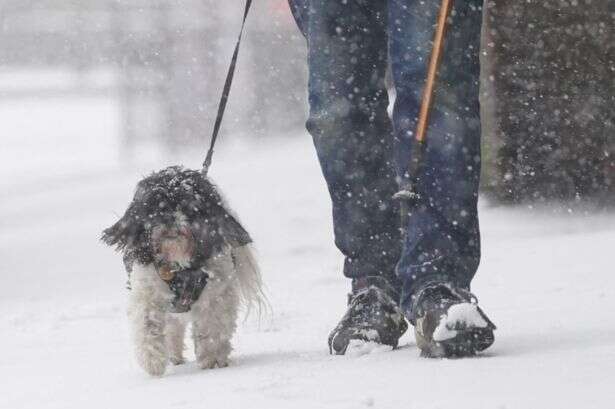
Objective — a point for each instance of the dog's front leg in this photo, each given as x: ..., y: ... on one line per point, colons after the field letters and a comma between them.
x: 214, y: 323
x: 148, y: 318
x: 175, y: 330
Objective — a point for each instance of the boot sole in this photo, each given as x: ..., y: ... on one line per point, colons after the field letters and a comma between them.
x: 466, y: 343
x: 339, y: 343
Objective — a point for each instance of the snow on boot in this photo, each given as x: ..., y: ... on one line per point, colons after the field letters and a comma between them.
x: 449, y: 323
x: 373, y: 315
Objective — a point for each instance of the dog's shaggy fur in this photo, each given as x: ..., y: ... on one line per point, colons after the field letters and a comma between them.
x: 178, y: 217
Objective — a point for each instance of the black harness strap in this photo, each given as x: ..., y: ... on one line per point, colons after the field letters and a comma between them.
x: 225, y: 93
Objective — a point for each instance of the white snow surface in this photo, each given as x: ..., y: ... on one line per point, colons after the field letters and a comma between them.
x: 357, y: 348
x: 465, y: 314
x: 546, y: 280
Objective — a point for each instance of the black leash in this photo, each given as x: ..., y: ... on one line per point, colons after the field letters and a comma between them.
x: 225, y: 93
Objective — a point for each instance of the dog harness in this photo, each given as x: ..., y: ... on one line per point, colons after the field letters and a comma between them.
x: 185, y: 284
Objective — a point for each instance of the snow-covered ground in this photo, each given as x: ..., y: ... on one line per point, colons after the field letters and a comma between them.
x: 546, y: 279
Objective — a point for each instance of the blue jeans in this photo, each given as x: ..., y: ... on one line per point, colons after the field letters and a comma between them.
x: 364, y: 155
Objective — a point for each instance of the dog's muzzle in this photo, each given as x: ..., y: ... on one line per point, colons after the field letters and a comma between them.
x: 186, y: 285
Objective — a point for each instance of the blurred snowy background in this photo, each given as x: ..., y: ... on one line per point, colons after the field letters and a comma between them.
x: 156, y: 66
x: 96, y: 93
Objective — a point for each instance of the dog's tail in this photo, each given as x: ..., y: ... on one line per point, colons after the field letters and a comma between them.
x: 249, y: 280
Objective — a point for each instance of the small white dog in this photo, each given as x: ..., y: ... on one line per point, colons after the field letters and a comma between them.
x: 189, y: 261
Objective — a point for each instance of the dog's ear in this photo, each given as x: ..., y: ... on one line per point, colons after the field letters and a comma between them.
x: 127, y: 231
x: 123, y: 233
x: 229, y: 228
x: 233, y: 232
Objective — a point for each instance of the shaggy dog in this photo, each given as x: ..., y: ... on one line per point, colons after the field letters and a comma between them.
x: 188, y: 261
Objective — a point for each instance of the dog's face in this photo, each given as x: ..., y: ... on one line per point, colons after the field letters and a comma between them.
x: 173, y: 245
x: 177, y: 218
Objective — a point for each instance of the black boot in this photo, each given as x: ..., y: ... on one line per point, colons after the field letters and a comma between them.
x: 449, y: 323
x: 373, y: 315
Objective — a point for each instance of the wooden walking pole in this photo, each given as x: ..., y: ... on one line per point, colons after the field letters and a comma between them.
x: 408, y: 194
x: 432, y: 73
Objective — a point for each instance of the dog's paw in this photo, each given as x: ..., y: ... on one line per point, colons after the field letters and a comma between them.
x: 155, y: 366
x: 177, y: 360
x: 220, y: 362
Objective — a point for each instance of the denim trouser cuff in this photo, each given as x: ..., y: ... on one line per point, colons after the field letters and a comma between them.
x: 360, y: 284
x: 360, y: 269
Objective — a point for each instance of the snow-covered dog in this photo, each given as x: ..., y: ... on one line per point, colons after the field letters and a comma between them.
x: 188, y: 261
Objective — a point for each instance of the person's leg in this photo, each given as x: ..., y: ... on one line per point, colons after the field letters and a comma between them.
x: 443, y: 242
x: 347, y: 58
